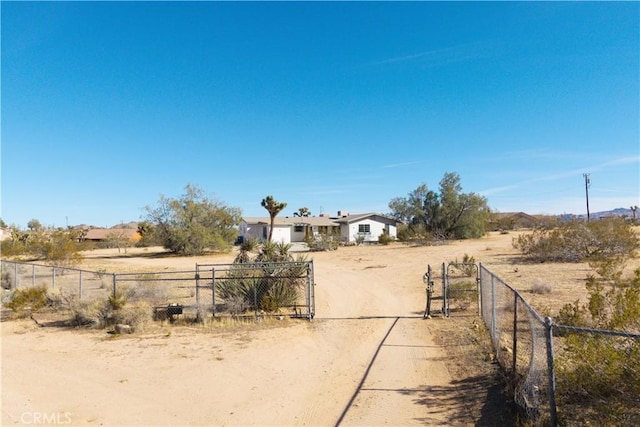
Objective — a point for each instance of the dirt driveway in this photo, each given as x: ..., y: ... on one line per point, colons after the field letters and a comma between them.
x: 367, y: 359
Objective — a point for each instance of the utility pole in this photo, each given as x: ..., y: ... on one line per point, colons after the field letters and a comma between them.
x: 587, y: 182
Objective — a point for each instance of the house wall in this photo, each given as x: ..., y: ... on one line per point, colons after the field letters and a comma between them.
x: 349, y: 232
x: 281, y: 234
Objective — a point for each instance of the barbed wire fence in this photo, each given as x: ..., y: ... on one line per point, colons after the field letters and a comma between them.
x: 553, y: 378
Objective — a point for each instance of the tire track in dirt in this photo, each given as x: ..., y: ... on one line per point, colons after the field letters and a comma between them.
x: 366, y: 373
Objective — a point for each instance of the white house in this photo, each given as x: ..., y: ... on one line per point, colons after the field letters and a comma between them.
x: 369, y: 227
x: 295, y: 229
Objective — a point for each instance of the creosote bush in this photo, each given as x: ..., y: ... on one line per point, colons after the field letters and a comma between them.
x: 27, y: 300
x: 598, y: 376
x: 577, y: 241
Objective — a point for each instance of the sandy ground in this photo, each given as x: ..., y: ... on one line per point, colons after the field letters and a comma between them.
x: 367, y: 359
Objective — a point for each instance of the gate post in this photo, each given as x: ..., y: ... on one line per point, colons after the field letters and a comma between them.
x: 515, y: 332
x: 551, y: 371
x: 445, y: 297
x: 213, y: 292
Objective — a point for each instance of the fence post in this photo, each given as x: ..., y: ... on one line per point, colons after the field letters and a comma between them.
x: 478, y: 290
x: 115, y: 289
x: 255, y: 300
x: 493, y: 312
x: 444, y: 290
x: 515, y: 331
x: 33, y: 274
x: 213, y: 292
x: 551, y: 371
x: 481, y: 282
x: 80, y: 286
x: 53, y: 277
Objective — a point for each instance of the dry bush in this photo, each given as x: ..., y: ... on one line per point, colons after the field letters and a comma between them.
x: 541, y: 287
x: 25, y: 301
x: 577, y: 241
x: 598, y: 376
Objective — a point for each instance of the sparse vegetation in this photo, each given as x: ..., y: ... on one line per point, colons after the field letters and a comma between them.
x: 541, y: 287
x: 327, y: 241
x: 28, y: 300
x: 598, y: 376
x: 576, y: 241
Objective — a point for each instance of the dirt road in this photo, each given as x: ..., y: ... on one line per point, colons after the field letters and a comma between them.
x: 367, y: 359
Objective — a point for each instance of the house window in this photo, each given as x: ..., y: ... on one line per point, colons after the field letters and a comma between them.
x: 364, y: 228
x: 298, y: 228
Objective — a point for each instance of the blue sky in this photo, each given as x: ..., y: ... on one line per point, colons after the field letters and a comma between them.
x: 325, y: 105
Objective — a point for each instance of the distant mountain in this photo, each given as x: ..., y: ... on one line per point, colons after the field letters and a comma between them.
x: 621, y: 212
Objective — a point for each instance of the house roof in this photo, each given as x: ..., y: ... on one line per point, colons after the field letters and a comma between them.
x: 316, y: 220
x: 104, y: 233
x: 296, y: 220
x: 359, y: 217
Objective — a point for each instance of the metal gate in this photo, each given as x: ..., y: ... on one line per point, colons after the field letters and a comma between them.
x: 259, y: 289
x: 458, y: 289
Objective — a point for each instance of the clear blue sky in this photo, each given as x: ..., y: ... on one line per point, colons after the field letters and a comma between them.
x: 325, y: 105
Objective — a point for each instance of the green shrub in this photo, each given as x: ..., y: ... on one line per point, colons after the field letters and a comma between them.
x: 117, y: 301
x: 28, y: 299
x: 598, y: 380
x: 385, y: 239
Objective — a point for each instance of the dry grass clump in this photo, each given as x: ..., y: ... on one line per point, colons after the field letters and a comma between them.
x: 541, y: 287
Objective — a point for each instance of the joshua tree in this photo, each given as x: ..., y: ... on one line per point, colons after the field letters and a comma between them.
x: 273, y: 207
x: 302, y: 212
x: 633, y: 210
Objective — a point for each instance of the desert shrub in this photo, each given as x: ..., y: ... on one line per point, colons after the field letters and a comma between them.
x: 28, y: 299
x: 324, y: 241
x: 385, y: 239
x: 57, y: 247
x: 118, y: 300
x: 541, y: 287
x: 598, y: 376
x: 12, y: 248
x: 577, y: 241
x: 466, y: 267
x: 462, y: 294
x: 135, y: 314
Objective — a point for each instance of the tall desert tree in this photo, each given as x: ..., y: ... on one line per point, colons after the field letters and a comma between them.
x: 274, y: 208
x: 193, y: 223
x: 446, y: 214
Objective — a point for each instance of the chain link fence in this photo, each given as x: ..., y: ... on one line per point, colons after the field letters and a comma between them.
x: 255, y: 289
x: 84, y: 284
x: 561, y: 374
